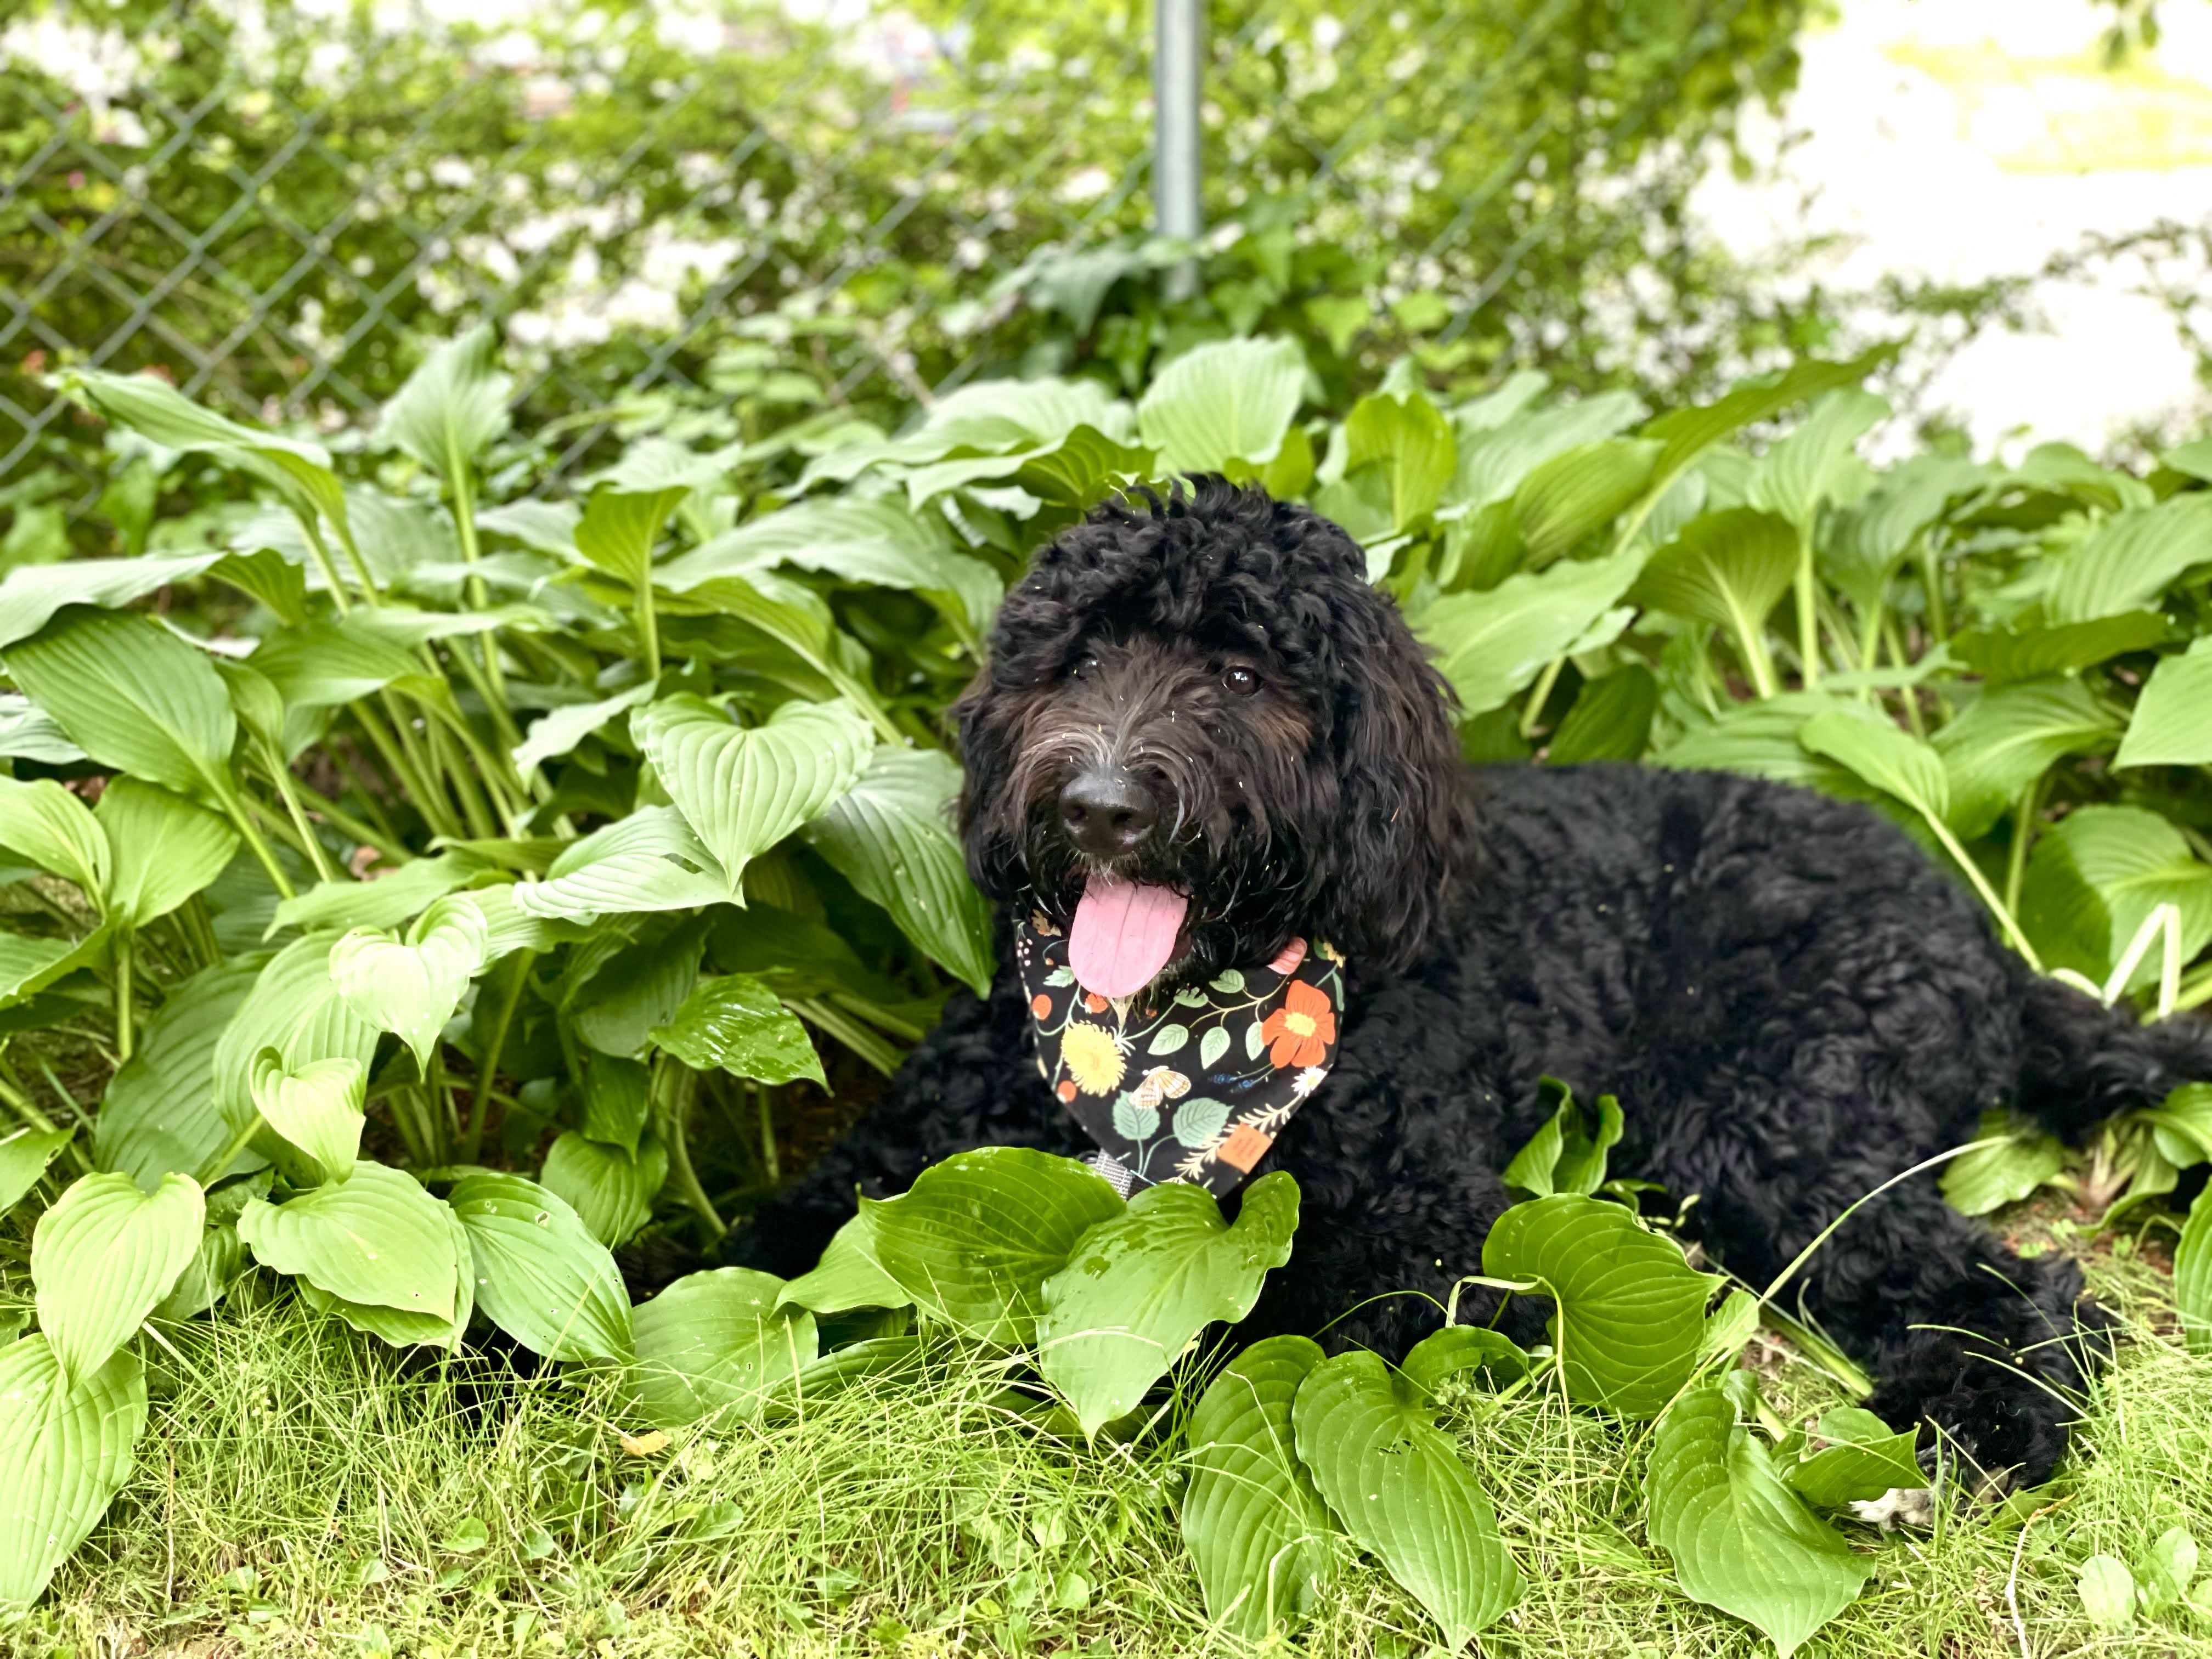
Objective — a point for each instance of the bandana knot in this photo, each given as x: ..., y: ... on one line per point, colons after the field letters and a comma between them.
x: 1193, y: 1087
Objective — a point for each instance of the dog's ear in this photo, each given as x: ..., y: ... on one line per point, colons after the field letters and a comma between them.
x: 1406, y: 831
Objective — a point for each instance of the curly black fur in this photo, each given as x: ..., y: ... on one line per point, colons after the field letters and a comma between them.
x: 1792, y: 1002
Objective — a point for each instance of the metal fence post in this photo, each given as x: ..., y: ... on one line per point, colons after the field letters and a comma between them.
x: 1178, y: 83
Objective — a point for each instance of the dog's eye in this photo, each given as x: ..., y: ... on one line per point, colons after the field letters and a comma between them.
x: 1240, y: 680
x: 1083, y: 667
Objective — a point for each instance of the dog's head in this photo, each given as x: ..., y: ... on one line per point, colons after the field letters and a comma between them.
x: 1202, y: 698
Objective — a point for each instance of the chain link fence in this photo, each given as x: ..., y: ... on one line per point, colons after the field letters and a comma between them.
x: 824, y: 203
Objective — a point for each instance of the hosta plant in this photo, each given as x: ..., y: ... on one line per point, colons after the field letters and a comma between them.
x: 417, y: 888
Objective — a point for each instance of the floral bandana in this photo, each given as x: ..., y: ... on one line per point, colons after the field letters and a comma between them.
x: 1196, y: 1090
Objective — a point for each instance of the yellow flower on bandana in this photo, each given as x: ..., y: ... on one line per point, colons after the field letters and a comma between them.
x: 1093, y: 1060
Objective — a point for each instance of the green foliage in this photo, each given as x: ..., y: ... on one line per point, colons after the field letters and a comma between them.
x: 1141, y: 1286
x: 1740, y: 1538
x: 653, y: 806
x: 1631, y: 1320
x: 1256, y: 1525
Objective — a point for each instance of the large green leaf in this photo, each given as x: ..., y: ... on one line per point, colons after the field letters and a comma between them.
x: 1575, y: 494
x: 890, y: 835
x: 1631, y: 1310
x: 1881, y: 531
x: 1611, y: 719
x: 2008, y: 737
x: 611, y: 1189
x: 1490, y: 644
x: 1727, y: 568
x: 876, y: 542
x: 1399, y: 1487
x: 1142, y: 1284
x: 1892, y: 760
x: 165, y: 849
x: 2173, y: 722
x: 848, y: 1276
x: 31, y: 594
x: 318, y: 1106
x: 1231, y: 400
x: 1804, y: 471
x: 1741, y: 1541
x: 66, y: 1452
x: 1494, y: 458
x: 1407, y: 437
x: 24, y: 1155
x: 411, y: 987
x: 2132, y: 558
x: 2094, y: 879
x: 736, y: 1024
x: 46, y: 824
x: 621, y: 527
x: 1085, y: 465
x: 2031, y: 653
x: 986, y: 420
x: 299, y: 471
x: 390, y: 901
x: 376, y: 1238
x: 1863, y: 1459
x: 1760, y: 740
x: 541, y: 1276
x: 405, y: 1327
x: 745, y: 789
x: 976, y: 1239
x: 334, y: 661
x: 617, y: 1099
x: 160, y: 1113
x: 558, y: 732
x: 134, y: 696
x: 651, y: 861
x: 453, y: 405
x: 1989, y: 1177
x: 28, y: 733
x: 296, y: 1009
x: 717, y: 1344
x: 103, y: 1256
x: 1257, y: 1530
x: 28, y: 965
x: 640, y: 990
x: 1687, y: 433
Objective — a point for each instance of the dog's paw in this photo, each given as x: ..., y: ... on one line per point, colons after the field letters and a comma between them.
x: 1900, y: 1506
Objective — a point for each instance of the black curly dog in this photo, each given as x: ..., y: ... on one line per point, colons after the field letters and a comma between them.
x: 1791, y: 1001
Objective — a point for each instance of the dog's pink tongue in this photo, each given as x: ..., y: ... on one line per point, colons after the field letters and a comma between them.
x: 1123, y: 933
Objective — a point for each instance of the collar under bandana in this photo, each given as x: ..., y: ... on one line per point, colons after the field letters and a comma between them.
x: 1197, y: 1089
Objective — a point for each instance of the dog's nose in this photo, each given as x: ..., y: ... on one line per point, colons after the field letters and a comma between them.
x: 1106, y: 814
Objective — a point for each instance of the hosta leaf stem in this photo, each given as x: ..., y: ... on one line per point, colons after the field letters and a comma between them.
x: 674, y: 1086
x: 1809, y: 610
x: 488, y: 1053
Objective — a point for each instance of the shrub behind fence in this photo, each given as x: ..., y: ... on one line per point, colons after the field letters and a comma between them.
x: 273, y: 203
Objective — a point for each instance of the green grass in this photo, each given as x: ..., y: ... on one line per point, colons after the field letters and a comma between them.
x: 301, y: 1491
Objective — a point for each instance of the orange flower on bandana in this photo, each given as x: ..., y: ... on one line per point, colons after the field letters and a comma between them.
x: 1299, y: 1032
